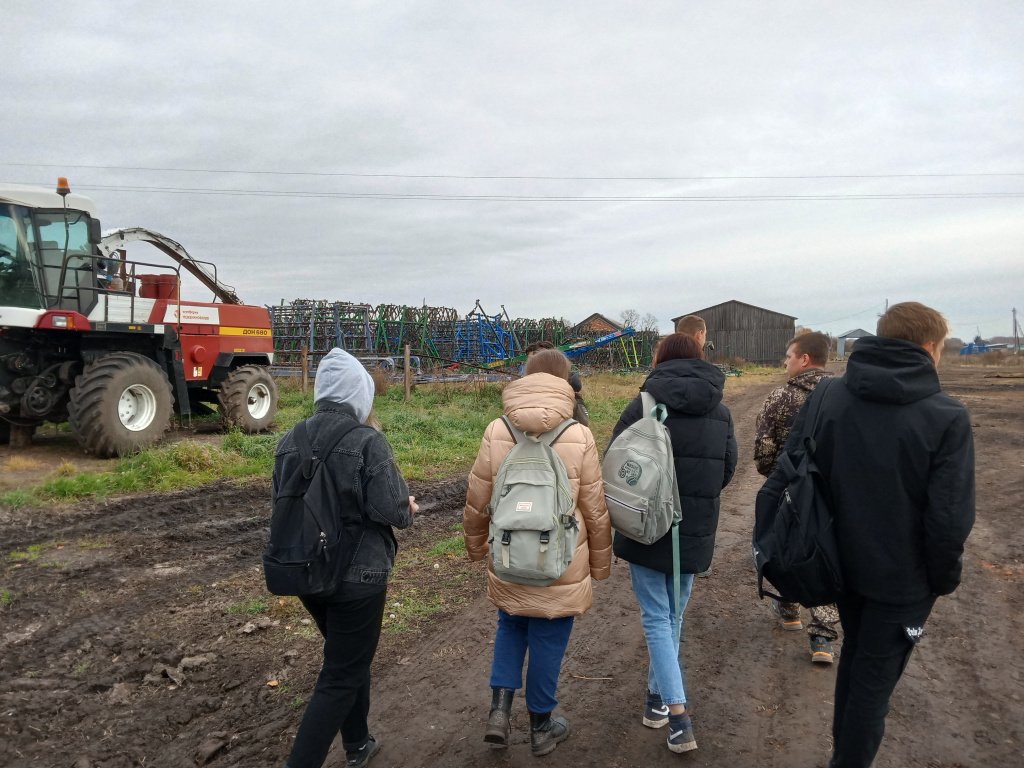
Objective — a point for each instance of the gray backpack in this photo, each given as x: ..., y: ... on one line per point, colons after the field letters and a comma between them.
x: 533, y: 522
x: 640, y: 477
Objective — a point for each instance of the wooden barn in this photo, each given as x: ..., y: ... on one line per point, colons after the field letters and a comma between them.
x: 740, y: 330
x: 598, y: 325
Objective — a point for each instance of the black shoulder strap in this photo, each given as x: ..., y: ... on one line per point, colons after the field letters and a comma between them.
x: 302, y: 440
x: 813, y: 409
x: 306, y: 448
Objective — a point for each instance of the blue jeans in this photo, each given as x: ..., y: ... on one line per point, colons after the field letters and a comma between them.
x: 546, y: 640
x: 655, y: 592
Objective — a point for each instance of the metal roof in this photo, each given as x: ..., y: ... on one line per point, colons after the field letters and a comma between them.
x: 38, y: 197
x: 856, y: 333
x: 733, y: 301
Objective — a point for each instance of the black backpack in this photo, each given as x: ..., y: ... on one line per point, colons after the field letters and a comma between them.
x: 794, y: 540
x: 313, y: 532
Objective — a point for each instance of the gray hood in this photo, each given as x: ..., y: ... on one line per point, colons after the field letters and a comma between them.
x: 341, y: 378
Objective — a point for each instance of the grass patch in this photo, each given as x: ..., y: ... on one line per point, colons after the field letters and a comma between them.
x: 16, y: 499
x: 7, y: 598
x: 410, y: 608
x: 29, y: 555
x: 437, y: 434
x: 251, y: 607
x: 455, y: 547
x: 21, y: 464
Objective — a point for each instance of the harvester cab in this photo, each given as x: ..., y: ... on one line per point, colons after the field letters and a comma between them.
x: 109, y: 344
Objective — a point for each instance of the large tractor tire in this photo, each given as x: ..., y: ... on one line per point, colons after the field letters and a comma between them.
x: 248, y: 398
x: 119, y: 405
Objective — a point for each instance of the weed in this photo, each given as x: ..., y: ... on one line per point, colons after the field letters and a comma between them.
x: 410, y: 608
x: 21, y: 464
x: 252, y: 606
x: 28, y: 556
x: 193, y: 456
x: 93, y: 544
x: 453, y: 546
x: 80, y: 669
x: 16, y: 499
x: 7, y: 598
x: 297, y: 702
x: 66, y: 468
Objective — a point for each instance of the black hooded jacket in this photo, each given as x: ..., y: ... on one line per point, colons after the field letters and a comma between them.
x: 898, y: 455
x: 704, y: 447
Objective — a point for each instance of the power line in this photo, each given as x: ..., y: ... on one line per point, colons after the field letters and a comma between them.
x: 552, y: 198
x: 349, y: 174
x: 855, y: 314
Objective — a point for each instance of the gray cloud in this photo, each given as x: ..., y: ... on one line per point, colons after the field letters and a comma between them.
x: 543, y: 89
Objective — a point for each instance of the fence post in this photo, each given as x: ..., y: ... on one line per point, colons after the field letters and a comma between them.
x: 305, y: 367
x: 408, y: 373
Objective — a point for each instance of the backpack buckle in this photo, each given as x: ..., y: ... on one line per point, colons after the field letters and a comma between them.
x: 570, y: 522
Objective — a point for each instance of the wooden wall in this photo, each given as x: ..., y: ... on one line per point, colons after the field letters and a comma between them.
x: 742, y: 330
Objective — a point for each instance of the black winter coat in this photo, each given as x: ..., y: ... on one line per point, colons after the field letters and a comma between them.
x: 361, y: 463
x: 898, y: 455
x: 704, y: 447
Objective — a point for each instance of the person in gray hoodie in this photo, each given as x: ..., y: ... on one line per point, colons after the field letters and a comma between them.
x: 365, y: 474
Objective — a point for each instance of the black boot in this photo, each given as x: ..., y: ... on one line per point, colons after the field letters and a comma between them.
x: 546, y: 731
x: 499, y: 723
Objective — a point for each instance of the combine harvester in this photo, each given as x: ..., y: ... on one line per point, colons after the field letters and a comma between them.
x: 107, y: 344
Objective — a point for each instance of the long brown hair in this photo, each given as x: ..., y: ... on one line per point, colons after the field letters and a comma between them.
x: 549, y: 361
x: 678, y: 346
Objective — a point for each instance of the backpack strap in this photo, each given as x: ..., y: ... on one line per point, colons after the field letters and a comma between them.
x: 813, y: 411
x: 549, y: 437
x: 557, y: 432
x: 311, y: 455
x: 652, y: 408
x: 516, y: 433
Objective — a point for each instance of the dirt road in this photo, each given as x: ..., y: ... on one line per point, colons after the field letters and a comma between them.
x: 136, y: 637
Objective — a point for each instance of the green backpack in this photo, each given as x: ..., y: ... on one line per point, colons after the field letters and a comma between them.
x: 533, y: 522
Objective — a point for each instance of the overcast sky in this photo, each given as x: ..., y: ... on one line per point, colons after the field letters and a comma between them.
x: 406, y: 106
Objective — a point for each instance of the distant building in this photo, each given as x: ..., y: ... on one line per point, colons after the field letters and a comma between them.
x: 740, y: 330
x: 846, y: 341
x: 597, y: 324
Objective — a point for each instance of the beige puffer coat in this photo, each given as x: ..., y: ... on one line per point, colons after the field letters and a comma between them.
x: 537, y: 403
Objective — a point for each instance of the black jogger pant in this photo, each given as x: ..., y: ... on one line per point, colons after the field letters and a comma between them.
x: 877, y: 642
x: 341, y: 698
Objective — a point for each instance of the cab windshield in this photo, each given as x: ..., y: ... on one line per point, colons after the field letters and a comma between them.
x: 53, y: 237
x: 20, y: 280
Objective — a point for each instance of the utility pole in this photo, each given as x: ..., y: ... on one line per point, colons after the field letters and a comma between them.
x: 1016, y: 333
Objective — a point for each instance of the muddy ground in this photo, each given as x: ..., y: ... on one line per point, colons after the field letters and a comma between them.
x: 139, y: 634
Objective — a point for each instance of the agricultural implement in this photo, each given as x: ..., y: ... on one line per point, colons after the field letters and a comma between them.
x: 106, y: 343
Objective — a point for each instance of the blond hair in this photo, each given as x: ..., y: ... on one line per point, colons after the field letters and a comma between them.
x: 691, y: 324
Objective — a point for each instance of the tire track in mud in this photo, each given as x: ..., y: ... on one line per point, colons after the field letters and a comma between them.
x: 758, y: 700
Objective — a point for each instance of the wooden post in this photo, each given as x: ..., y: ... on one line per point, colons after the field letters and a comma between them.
x: 408, y: 374
x: 305, y: 368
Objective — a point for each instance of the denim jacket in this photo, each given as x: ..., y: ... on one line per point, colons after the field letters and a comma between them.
x: 363, y: 459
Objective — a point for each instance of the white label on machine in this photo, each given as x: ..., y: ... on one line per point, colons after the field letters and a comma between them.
x: 192, y: 315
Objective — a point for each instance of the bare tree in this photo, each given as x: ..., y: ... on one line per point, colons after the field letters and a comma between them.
x: 630, y: 318
x: 649, y: 322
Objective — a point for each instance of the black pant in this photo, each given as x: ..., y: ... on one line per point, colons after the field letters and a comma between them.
x: 341, y: 698
x: 877, y: 641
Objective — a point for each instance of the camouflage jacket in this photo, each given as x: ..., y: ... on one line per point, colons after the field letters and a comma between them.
x: 777, y: 415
